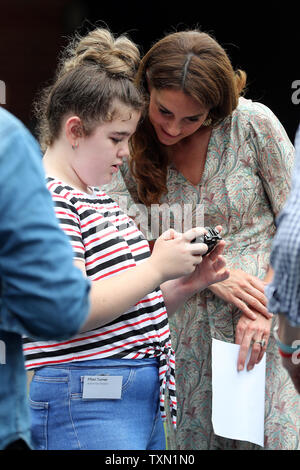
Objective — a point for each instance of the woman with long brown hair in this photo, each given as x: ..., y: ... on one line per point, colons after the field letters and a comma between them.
x: 205, y: 146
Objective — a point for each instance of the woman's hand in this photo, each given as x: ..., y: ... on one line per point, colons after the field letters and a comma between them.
x: 244, y: 291
x: 248, y: 333
x: 211, y: 270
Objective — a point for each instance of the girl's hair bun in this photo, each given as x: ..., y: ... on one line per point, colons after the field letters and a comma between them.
x: 118, y: 56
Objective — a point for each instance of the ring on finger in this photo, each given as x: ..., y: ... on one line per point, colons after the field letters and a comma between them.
x: 262, y: 342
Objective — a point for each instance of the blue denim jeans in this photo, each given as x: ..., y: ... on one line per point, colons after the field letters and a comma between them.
x: 63, y: 420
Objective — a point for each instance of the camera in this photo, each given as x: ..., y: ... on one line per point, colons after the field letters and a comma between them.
x: 211, y: 238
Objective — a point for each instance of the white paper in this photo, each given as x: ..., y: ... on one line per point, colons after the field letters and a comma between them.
x: 238, y: 398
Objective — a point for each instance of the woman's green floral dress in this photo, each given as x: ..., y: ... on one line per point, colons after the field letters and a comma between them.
x: 245, y: 183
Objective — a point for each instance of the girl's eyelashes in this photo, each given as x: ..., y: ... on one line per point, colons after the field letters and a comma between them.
x: 116, y: 140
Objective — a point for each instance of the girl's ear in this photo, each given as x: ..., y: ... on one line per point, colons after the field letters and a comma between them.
x: 74, y: 130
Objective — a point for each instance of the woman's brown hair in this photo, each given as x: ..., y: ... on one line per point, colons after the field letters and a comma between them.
x: 191, y: 61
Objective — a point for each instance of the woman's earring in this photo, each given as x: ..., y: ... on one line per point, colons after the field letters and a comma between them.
x: 75, y: 146
x: 207, y: 122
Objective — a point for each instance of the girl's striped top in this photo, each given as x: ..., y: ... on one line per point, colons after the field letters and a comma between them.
x: 110, y: 243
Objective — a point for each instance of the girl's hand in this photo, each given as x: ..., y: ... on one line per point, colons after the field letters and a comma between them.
x: 174, y: 255
x: 245, y: 292
x: 248, y: 332
x: 211, y: 270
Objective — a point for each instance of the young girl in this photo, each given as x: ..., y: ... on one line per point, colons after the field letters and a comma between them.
x: 105, y: 388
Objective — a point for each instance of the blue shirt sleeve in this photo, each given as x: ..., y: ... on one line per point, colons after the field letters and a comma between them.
x: 42, y: 294
x: 283, y: 292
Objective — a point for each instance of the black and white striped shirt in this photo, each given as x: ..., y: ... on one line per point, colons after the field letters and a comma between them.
x: 110, y: 243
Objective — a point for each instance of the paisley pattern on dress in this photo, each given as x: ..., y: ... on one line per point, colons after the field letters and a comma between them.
x: 245, y: 183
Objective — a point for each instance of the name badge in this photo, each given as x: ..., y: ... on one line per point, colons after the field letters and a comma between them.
x: 102, y: 386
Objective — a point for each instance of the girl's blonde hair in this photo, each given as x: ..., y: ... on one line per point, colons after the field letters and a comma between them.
x: 94, y: 73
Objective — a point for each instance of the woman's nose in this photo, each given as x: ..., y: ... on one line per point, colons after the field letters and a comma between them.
x: 173, y: 128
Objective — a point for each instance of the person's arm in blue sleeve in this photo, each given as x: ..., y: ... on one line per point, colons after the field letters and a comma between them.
x: 42, y: 293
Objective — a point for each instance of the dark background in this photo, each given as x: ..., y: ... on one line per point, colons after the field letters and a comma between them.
x: 263, y: 42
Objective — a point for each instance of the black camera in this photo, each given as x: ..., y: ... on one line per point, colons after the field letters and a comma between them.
x: 211, y: 238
